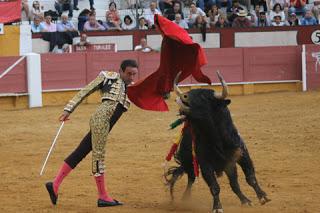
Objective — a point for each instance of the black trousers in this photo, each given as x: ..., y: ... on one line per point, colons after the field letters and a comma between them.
x: 85, y: 146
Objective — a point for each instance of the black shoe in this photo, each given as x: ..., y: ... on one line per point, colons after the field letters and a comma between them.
x: 76, y: 8
x: 53, y: 195
x: 103, y: 203
x: 92, y: 8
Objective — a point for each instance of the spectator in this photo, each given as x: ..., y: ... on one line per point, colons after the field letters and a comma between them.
x: 75, y: 5
x: 91, y: 2
x: 214, y: 14
x: 48, y: 26
x: 149, y: 14
x: 171, y: 12
x: 262, y: 3
x: 110, y: 23
x: 65, y: 25
x: 165, y: 5
x: 82, y: 18
x: 277, y: 21
x: 142, y: 24
x: 114, y: 12
x: 308, y: 19
x: 263, y: 20
x: 316, y: 9
x: 256, y: 14
x: 62, y: 5
x: 224, y: 3
x: 143, y: 46
x: 246, y: 3
x: 36, y: 26
x: 194, y: 13
x: 83, y: 40
x: 235, y: 10
x: 179, y: 21
x: 200, y: 23
x: 25, y: 8
x: 242, y: 20
x: 222, y: 22
x: 293, y: 20
x: 37, y: 10
x: 204, y: 4
x: 277, y: 11
x: 252, y: 18
x: 127, y: 23
x: 60, y: 50
x: 92, y: 24
x: 283, y: 3
x: 297, y: 6
x: 131, y: 4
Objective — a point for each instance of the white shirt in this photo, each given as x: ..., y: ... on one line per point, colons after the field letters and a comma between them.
x: 193, y: 16
x: 145, y: 50
x: 281, y: 2
x: 278, y: 25
x: 144, y: 27
x: 273, y: 14
x: 183, y: 24
x: 128, y: 27
x: 149, y: 15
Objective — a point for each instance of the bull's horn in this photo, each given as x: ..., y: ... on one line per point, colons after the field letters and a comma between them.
x: 225, y: 91
x: 175, y: 85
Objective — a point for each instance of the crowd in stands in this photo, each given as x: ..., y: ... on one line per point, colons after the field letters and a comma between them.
x: 186, y: 13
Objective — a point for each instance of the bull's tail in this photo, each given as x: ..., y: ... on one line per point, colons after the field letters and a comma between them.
x: 171, y: 176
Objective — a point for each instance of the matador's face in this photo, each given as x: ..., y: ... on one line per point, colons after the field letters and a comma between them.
x: 128, y: 74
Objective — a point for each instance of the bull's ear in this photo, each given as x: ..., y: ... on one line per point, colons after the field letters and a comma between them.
x: 227, y: 102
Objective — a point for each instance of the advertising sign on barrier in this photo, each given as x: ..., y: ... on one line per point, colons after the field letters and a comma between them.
x: 95, y: 48
x: 315, y: 37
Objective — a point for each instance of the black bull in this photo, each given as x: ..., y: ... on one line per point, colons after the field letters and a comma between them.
x: 218, y: 147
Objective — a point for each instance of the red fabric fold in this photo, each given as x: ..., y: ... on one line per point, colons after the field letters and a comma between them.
x: 178, y: 53
x: 10, y: 11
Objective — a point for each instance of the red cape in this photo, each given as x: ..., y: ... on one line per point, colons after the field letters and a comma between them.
x: 178, y: 53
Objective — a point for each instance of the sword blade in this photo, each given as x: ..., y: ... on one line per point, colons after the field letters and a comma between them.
x: 51, y: 148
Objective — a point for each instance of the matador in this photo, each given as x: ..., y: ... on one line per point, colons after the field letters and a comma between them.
x: 113, y: 88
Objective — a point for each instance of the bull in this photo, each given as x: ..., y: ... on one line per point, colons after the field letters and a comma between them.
x: 218, y: 147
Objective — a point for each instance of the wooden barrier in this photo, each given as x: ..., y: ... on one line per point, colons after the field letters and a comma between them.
x: 247, y: 71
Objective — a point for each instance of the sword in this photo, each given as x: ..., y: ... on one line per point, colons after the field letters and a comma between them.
x: 51, y: 148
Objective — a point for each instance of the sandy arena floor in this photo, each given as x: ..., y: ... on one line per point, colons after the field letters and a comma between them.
x: 281, y: 130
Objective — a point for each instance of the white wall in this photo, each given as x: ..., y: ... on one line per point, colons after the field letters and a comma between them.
x: 212, y: 40
x: 265, y: 39
x: 25, y: 39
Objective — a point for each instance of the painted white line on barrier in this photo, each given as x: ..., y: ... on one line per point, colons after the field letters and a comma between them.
x: 304, y: 69
x: 11, y: 67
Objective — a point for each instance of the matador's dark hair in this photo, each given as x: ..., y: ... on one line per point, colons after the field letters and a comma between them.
x: 128, y: 63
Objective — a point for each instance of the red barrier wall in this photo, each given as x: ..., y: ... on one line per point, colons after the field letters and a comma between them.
x: 229, y: 61
x: 272, y: 64
x: 313, y: 68
x: 75, y: 70
x: 63, y: 71
x: 16, y: 80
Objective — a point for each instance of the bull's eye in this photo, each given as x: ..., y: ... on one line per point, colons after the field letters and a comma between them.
x: 185, y: 96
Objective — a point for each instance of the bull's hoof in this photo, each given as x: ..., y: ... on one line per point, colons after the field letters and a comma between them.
x: 264, y: 200
x: 217, y: 211
x: 246, y: 203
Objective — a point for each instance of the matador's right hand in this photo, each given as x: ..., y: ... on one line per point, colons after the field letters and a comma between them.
x: 65, y: 116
